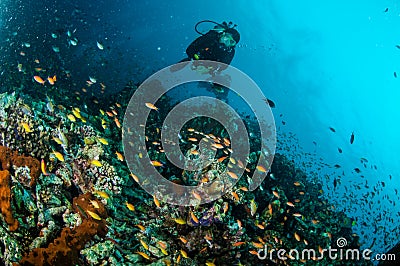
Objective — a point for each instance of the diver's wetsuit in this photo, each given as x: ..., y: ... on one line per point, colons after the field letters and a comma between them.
x: 207, y: 47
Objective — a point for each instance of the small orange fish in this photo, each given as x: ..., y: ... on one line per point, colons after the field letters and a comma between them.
x: 297, y: 215
x: 290, y: 204
x: 296, y: 236
x: 227, y: 142
x: 217, y: 145
x: 135, y: 178
x: 235, y: 195
x: 297, y: 183
x: 203, y: 250
x: 156, y: 163
x: 244, y: 189
x: 38, y: 79
x: 194, y: 218
x: 196, y: 195
x: 262, y: 227
x: 151, y: 106
x: 141, y: 227
x: 261, y: 169
x: 156, y: 201
x: 119, y: 156
x: 192, y: 139
x: 117, y: 122
x: 232, y: 175
x: 184, y: 240
x: 239, y: 223
x: 43, y: 167
x: 162, y: 244
x: 52, y: 80
x: 237, y: 244
x: 144, y: 255
x: 208, y: 237
x: 220, y: 160
x: 276, y: 194
x: 226, y: 207
x: 257, y: 245
x: 253, y: 252
x: 114, y: 112
x: 110, y: 114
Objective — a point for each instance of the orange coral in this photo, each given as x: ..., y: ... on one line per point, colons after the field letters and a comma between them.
x: 8, y: 158
x: 5, y: 197
x: 65, y: 249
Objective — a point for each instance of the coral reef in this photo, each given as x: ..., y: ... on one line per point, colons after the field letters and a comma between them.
x: 79, y: 207
x: 65, y: 249
x: 5, y: 197
x: 20, y: 130
x: 9, y: 158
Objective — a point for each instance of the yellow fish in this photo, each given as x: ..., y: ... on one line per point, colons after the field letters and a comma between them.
x: 94, y: 215
x: 130, y: 206
x: 76, y: 113
x: 26, y: 127
x: 144, y: 244
x: 184, y: 254
x: 59, y: 156
x: 71, y: 117
x: 156, y: 163
x: 179, y: 221
x: 102, y: 194
x: 96, y: 163
x: 164, y: 251
x: 57, y: 140
x: 95, y: 204
x: 103, y: 141
x: 253, y: 207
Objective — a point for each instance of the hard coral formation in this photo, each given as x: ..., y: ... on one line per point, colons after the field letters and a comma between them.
x: 20, y: 130
x: 66, y: 248
x: 5, y: 197
x: 9, y: 158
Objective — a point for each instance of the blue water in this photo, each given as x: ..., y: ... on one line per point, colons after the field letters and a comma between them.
x: 324, y: 63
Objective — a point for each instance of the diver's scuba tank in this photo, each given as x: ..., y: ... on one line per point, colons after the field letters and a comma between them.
x: 218, y: 26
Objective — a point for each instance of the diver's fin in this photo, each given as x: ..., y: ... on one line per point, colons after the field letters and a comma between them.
x: 179, y: 66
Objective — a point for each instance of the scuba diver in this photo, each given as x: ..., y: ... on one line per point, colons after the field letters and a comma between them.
x: 218, y: 45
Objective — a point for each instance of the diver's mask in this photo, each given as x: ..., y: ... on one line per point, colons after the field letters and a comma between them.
x: 227, y: 39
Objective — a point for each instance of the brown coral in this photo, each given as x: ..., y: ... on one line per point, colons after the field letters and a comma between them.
x: 65, y: 249
x: 5, y: 196
x: 8, y: 158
